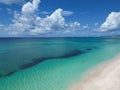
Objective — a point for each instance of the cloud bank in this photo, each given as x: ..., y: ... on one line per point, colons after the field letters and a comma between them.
x: 27, y: 21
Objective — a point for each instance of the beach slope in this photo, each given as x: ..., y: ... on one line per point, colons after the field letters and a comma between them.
x: 103, y: 77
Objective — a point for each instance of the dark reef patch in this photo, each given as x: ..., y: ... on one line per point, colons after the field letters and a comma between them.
x: 40, y: 60
x: 8, y: 74
x: 90, y: 48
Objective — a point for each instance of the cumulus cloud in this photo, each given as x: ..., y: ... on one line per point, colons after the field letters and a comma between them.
x: 29, y: 8
x: 112, y: 22
x: 8, y: 2
x: 28, y: 21
x: 53, y: 22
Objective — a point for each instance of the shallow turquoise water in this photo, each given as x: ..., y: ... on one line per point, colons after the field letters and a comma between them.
x: 54, y: 73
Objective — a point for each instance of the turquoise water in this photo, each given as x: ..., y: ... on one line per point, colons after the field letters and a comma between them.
x: 51, y: 64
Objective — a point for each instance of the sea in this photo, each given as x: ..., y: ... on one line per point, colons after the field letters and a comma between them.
x: 51, y: 63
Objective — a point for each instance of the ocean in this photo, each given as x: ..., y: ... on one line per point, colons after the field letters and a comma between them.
x: 51, y: 63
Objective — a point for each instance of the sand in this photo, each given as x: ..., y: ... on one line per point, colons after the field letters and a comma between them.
x: 105, y: 76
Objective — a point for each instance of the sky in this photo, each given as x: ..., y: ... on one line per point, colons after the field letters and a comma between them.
x: 59, y: 18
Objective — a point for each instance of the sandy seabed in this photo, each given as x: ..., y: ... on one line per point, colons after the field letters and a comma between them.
x: 105, y: 76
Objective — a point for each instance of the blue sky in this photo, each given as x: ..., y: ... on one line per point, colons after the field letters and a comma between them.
x: 59, y: 17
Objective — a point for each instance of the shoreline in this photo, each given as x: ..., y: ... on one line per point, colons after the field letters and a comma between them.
x: 104, y: 76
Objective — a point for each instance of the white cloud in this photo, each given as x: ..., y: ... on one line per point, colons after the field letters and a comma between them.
x: 8, y: 2
x: 45, y: 12
x: 29, y: 8
x: 9, y: 10
x: 27, y: 21
x: 67, y: 13
x: 96, y: 24
x: 86, y: 27
x: 64, y: 13
x: 1, y: 26
x: 51, y: 23
x: 112, y: 22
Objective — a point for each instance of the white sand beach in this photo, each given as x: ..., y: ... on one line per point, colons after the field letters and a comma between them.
x: 105, y: 76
